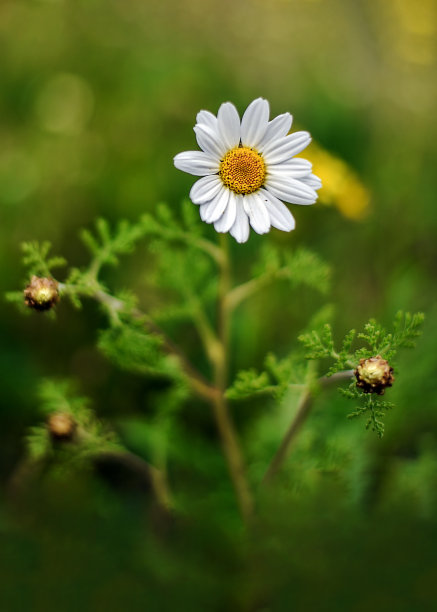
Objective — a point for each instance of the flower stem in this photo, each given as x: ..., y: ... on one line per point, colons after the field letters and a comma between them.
x: 225, y: 426
x: 303, y: 410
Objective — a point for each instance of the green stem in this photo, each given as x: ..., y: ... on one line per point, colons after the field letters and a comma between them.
x: 210, y: 341
x: 225, y: 426
x: 245, y: 290
x: 208, y: 247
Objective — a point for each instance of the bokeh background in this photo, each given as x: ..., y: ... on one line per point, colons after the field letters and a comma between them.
x: 97, y: 97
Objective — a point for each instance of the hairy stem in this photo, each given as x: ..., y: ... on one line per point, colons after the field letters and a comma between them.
x: 303, y: 410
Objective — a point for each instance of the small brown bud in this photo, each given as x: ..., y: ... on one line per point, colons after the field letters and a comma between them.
x: 41, y: 293
x: 374, y: 375
x: 62, y: 426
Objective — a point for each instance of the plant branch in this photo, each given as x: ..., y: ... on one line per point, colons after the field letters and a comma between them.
x: 232, y: 451
x: 225, y: 426
x: 28, y: 470
x: 241, y: 292
x: 206, y: 246
x: 210, y: 341
x: 150, y: 475
x: 115, y: 306
x: 202, y: 244
x: 303, y: 410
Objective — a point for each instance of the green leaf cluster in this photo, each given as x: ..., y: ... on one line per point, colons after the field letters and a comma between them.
x: 105, y: 245
x: 131, y: 347
x: 300, y: 268
x: 92, y: 436
x: 274, y: 380
x: 377, y: 341
x: 185, y: 266
x: 188, y: 281
x: 37, y: 259
x: 372, y: 406
x: 406, y: 328
x: 164, y: 225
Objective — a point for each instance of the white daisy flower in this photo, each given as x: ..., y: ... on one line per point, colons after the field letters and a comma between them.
x: 247, y: 168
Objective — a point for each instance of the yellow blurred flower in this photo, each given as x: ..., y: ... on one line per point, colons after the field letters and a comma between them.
x: 341, y: 185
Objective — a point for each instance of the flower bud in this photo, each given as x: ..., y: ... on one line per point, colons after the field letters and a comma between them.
x: 61, y: 426
x: 41, y: 293
x: 374, y: 375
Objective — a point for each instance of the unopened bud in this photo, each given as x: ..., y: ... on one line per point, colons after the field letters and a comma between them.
x: 374, y: 375
x: 41, y: 293
x: 62, y: 427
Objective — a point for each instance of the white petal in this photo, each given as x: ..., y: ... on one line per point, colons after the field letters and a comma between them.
x: 291, y: 190
x: 227, y: 219
x: 297, y: 168
x: 210, y: 141
x: 284, y: 148
x: 254, y: 122
x: 280, y: 216
x: 212, y: 211
x: 240, y: 228
x: 205, y: 189
x: 277, y: 128
x: 196, y: 162
x: 258, y: 216
x: 206, y: 118
x: 312, y: 180
x: 229, y: 125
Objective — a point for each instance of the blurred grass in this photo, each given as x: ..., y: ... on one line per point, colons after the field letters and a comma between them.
x: 97, y: 97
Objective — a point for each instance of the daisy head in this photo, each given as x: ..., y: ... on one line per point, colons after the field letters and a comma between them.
x: 247, y: 168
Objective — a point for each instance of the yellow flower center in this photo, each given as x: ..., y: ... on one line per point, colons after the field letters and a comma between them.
x: 242, y: 170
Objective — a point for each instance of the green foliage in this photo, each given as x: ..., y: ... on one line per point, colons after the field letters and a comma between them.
x: 185, y: 265
x: 320, y: 345
x: 36, y: 259
x: 275, y: 380
x: 304, y: 267
x: 248, y: 383
x: 188, y: 277
x: 105, y: 246
x: 343, y: 359
x: 290, y: 370
x: 185, y: 269
x: 406, y: 328
x: 300, y: 267
x: 163, y: 225
x: 62, y: 396
x: 131, y: 347
x: 16, y: 297
x: 92, y: 435
x: 372, y: 407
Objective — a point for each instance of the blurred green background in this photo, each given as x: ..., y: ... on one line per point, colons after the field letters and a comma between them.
x: 97, y: 98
